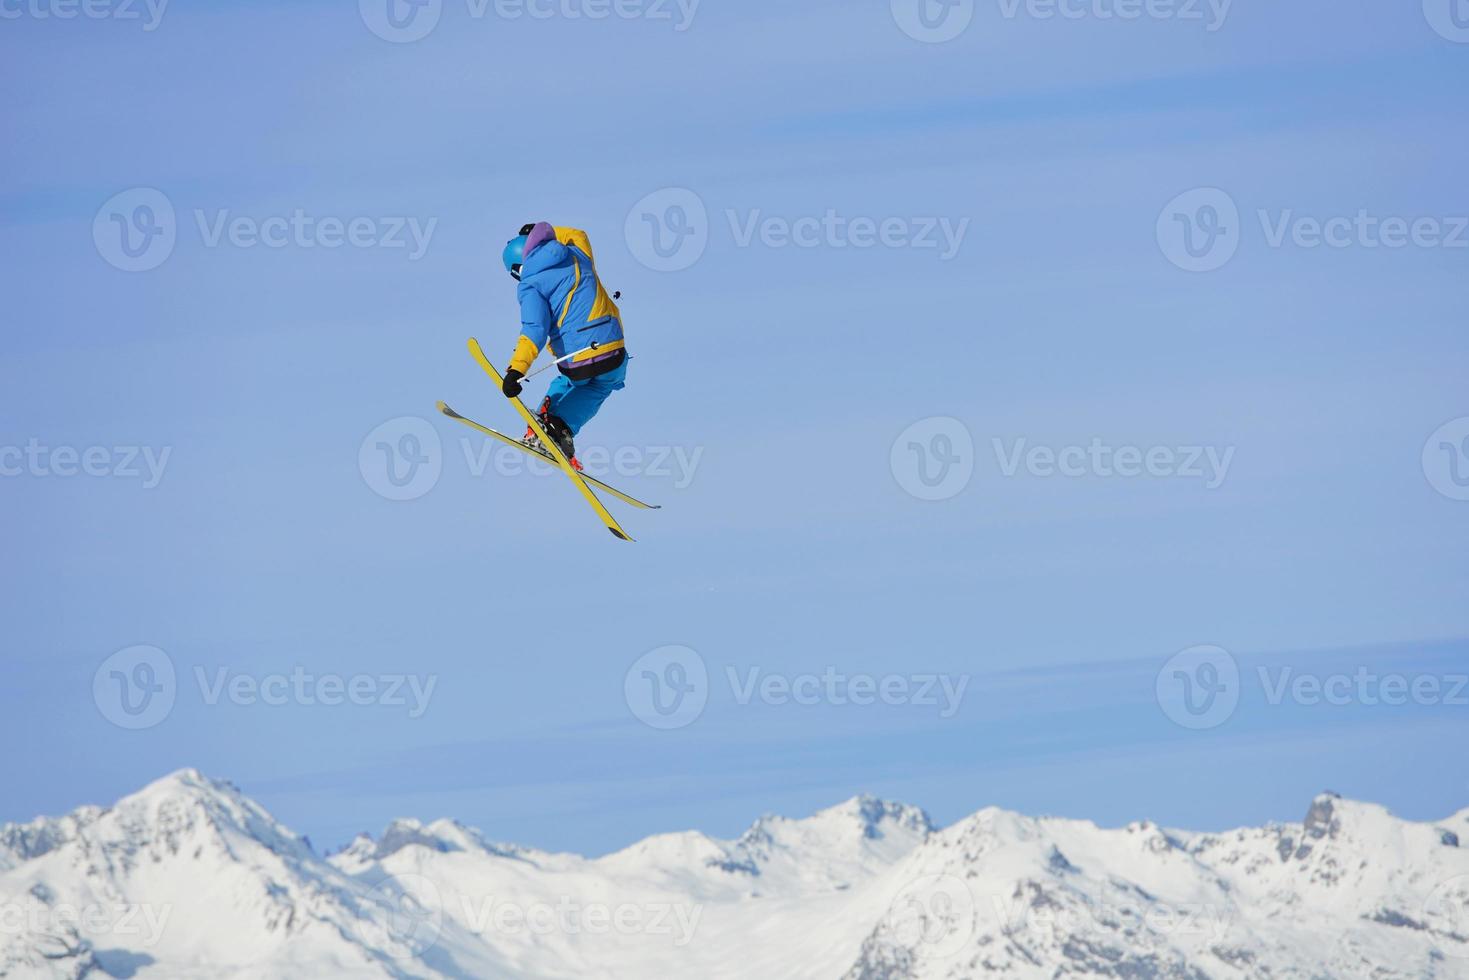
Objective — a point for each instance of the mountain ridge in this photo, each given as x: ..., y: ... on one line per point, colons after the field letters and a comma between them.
x: 191, y: 877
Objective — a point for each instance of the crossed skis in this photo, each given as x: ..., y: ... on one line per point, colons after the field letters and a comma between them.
x: 549, y: 452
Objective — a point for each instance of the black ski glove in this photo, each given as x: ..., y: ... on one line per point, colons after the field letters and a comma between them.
x: 511, y: 387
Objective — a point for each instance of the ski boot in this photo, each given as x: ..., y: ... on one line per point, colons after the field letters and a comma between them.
x: 557, y: 430
x: 530, y: 439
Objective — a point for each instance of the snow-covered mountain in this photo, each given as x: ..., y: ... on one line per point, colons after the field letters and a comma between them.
x: 190, y: 878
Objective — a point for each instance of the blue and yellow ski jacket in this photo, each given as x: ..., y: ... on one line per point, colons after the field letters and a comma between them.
x: 563, y: 305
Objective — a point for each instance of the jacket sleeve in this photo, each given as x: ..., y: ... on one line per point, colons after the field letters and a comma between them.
x: 535, y: 327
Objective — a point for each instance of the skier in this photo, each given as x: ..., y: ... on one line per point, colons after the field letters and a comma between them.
x: 563, y: 306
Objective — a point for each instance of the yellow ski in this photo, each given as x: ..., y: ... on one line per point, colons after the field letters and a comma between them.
x: 550, y: 446
x: 512, y: 441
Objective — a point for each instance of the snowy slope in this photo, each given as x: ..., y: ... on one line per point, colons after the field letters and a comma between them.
x: 190, y: 878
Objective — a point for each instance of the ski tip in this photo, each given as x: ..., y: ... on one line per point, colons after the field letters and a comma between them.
x: 448, y: 411
x: 618, y: 534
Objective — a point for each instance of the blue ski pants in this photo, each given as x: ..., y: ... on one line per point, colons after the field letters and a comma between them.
x: 575, y: 402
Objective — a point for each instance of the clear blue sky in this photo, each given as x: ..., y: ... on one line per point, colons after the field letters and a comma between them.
x: 794, y: 548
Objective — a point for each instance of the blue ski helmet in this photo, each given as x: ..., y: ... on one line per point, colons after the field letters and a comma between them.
x: 514, y: 255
